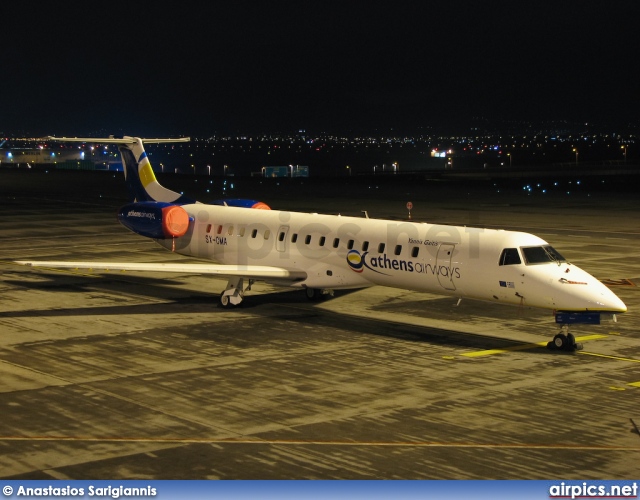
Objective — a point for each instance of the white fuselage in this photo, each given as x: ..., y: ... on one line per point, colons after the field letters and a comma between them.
x: 350, y: 252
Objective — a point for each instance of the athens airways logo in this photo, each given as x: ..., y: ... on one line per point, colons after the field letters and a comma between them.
x: 359, y: 261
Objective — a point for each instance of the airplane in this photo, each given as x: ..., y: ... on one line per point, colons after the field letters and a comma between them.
x: 246, y: 241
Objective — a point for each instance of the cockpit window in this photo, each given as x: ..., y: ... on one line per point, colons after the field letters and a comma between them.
x: 510, y: 256
x: 541, y: 255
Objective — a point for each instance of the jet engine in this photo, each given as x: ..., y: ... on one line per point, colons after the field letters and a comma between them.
x: 242, y: 203
x: 155, y: 219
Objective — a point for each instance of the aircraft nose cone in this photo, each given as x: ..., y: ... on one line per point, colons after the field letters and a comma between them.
x: 612, y: 302
x: 596, y: 295
x: 620, y: 306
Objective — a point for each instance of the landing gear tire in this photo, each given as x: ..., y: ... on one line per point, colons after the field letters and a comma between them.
x: 573, y: 345
x: 225, y: 303
x: 562, y: 342
x: 313, y: 294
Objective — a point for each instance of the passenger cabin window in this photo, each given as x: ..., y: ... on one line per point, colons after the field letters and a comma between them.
x: 398, y: 250
x: 294, y: 237
x: 220, y: 229
x: 510, y: 256
x: 381, y: 248
x: 267, y: 233
x: 336, y: 242
x: 350, y: 244
x: 365, y: 246
x: 541, y: 255
x: 281, y: 236
x: 208, y: 228
x: 322, y: 240
x: 254, y: 233
x: 415, y: 251
x: 230, y: 231
x: 241, y: 231
x: 307, y: 239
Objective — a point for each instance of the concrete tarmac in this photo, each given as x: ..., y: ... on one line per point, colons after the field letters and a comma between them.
x: 143, y: 376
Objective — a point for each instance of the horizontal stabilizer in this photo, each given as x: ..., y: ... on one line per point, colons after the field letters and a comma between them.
x: 117, y: 140
x: 256, y: 272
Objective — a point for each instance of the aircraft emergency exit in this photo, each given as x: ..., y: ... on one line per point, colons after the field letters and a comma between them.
x: 245, y: 241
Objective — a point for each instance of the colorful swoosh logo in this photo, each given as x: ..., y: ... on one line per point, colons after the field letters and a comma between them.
x: 357, y: 262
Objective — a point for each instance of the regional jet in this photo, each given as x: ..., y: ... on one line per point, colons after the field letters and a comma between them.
x: 244, y: 241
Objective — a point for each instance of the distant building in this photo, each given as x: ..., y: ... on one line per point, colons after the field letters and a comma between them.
x: 68, y: 159
x: 286, y: 171
x: 16, y: 156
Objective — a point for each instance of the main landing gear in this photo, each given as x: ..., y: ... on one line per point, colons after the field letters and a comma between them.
x: 315, y: 294
x: 234, y: 293
x: 564, y: 341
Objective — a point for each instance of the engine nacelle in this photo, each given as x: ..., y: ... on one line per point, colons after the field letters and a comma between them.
x: 242, y: 203
x: 155, y: 219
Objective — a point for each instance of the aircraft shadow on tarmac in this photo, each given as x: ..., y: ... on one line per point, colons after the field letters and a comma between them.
x: 296, y: 309
x: 62, y: 280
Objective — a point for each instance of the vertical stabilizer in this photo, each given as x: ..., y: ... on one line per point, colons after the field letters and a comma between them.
x: 141, y: 181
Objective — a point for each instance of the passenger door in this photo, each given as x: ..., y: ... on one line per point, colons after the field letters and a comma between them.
x: 444, y: 269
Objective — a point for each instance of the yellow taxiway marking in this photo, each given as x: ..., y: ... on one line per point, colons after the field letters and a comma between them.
x: 489, y: 352
x: 619, y: 358
x: 634, y: 384
x: 523, y: 347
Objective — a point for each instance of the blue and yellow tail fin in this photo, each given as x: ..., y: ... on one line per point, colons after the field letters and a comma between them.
x: 141, y: 181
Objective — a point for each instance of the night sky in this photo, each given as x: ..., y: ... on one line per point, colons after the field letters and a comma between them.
x: 205, y: 68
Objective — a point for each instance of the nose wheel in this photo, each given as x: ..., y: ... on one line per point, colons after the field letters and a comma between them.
x: 564, y: 341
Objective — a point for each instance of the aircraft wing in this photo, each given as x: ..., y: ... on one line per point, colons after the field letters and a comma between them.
x: 255, y: 272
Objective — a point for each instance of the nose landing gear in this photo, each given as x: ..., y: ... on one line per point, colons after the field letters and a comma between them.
x: 564, y: 341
